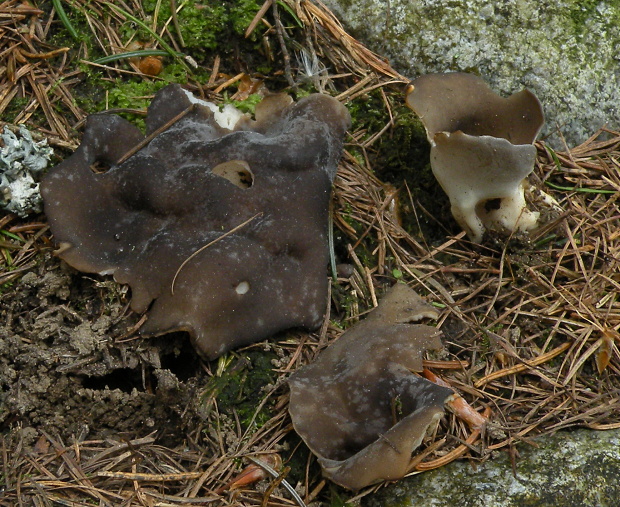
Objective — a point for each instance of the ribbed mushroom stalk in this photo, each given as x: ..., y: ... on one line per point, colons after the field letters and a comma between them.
x: 481, y: 148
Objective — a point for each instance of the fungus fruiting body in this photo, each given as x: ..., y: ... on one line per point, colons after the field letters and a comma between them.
x: 359, y: 407
x: 481, y: 148
x: 216, y: 221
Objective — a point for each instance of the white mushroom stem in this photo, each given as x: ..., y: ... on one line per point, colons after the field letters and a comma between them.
x: 475, y: 171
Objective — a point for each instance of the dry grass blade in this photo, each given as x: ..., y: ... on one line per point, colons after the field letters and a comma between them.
x: 528, y: 365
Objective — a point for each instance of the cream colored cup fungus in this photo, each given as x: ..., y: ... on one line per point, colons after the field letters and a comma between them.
x: 481, y: 148
x: 359, y: 407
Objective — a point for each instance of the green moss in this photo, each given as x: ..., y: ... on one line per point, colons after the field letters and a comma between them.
x: 246, y: 106
x: 363, y: 250
x: 403, y: 159
x: 16, y: 106
x: 368, y: 112
x: 239, y: 388
x: 97, y: 94
x: 130, y: 95
x: 200, y: 24
x: 338, y: 496
x: 584, y: 11
x: 205, y: 26
x: 242, y: 13
x: 61, y: 35
x: 401, y: 156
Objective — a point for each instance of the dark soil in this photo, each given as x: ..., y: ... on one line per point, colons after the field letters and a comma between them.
x: 66, y: 368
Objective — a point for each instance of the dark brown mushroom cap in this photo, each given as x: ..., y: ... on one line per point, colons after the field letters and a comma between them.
x: 459, y: 101
x: 192, y: 183
x: 358, y: 407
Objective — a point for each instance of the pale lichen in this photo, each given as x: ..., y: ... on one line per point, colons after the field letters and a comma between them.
x: 568, y: 468
x: 22, y: 160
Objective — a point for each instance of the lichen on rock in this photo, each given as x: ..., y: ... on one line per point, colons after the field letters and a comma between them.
x: 568, y: 468
x: 565, y: 51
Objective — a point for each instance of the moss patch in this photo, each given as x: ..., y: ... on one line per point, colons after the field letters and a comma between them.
x: 206, y: 26
x: 401, y: 157
x: 239, y: 388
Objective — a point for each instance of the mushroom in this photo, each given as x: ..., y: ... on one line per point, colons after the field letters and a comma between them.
x: 481, y: 148
x: 359, y: 407
x: 216, y: 221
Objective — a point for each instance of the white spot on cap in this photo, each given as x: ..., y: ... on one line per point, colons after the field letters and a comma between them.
x: 242, y: 288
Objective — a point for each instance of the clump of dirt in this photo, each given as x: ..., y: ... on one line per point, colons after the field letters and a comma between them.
x: 67, y: 367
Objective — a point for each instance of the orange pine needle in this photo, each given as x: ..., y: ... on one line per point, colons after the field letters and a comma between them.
x: 253, y: 473
x: 455, y: 453
x: 474, y: 419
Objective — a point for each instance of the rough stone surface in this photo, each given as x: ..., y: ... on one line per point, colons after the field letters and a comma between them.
x: 566, y: 51
x: 579, y: 468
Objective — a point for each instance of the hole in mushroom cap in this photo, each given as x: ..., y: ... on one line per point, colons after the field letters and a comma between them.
x: 236, y: 171
x: 242, y: 288
x: 100, y: 166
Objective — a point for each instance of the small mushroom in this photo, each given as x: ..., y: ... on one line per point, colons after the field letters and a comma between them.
x: 359, y: 407
x: 216, y: 221
x: 481, y: 148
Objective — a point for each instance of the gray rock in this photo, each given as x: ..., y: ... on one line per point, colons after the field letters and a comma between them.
x: 566, y: 51
x: 579, y: 468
